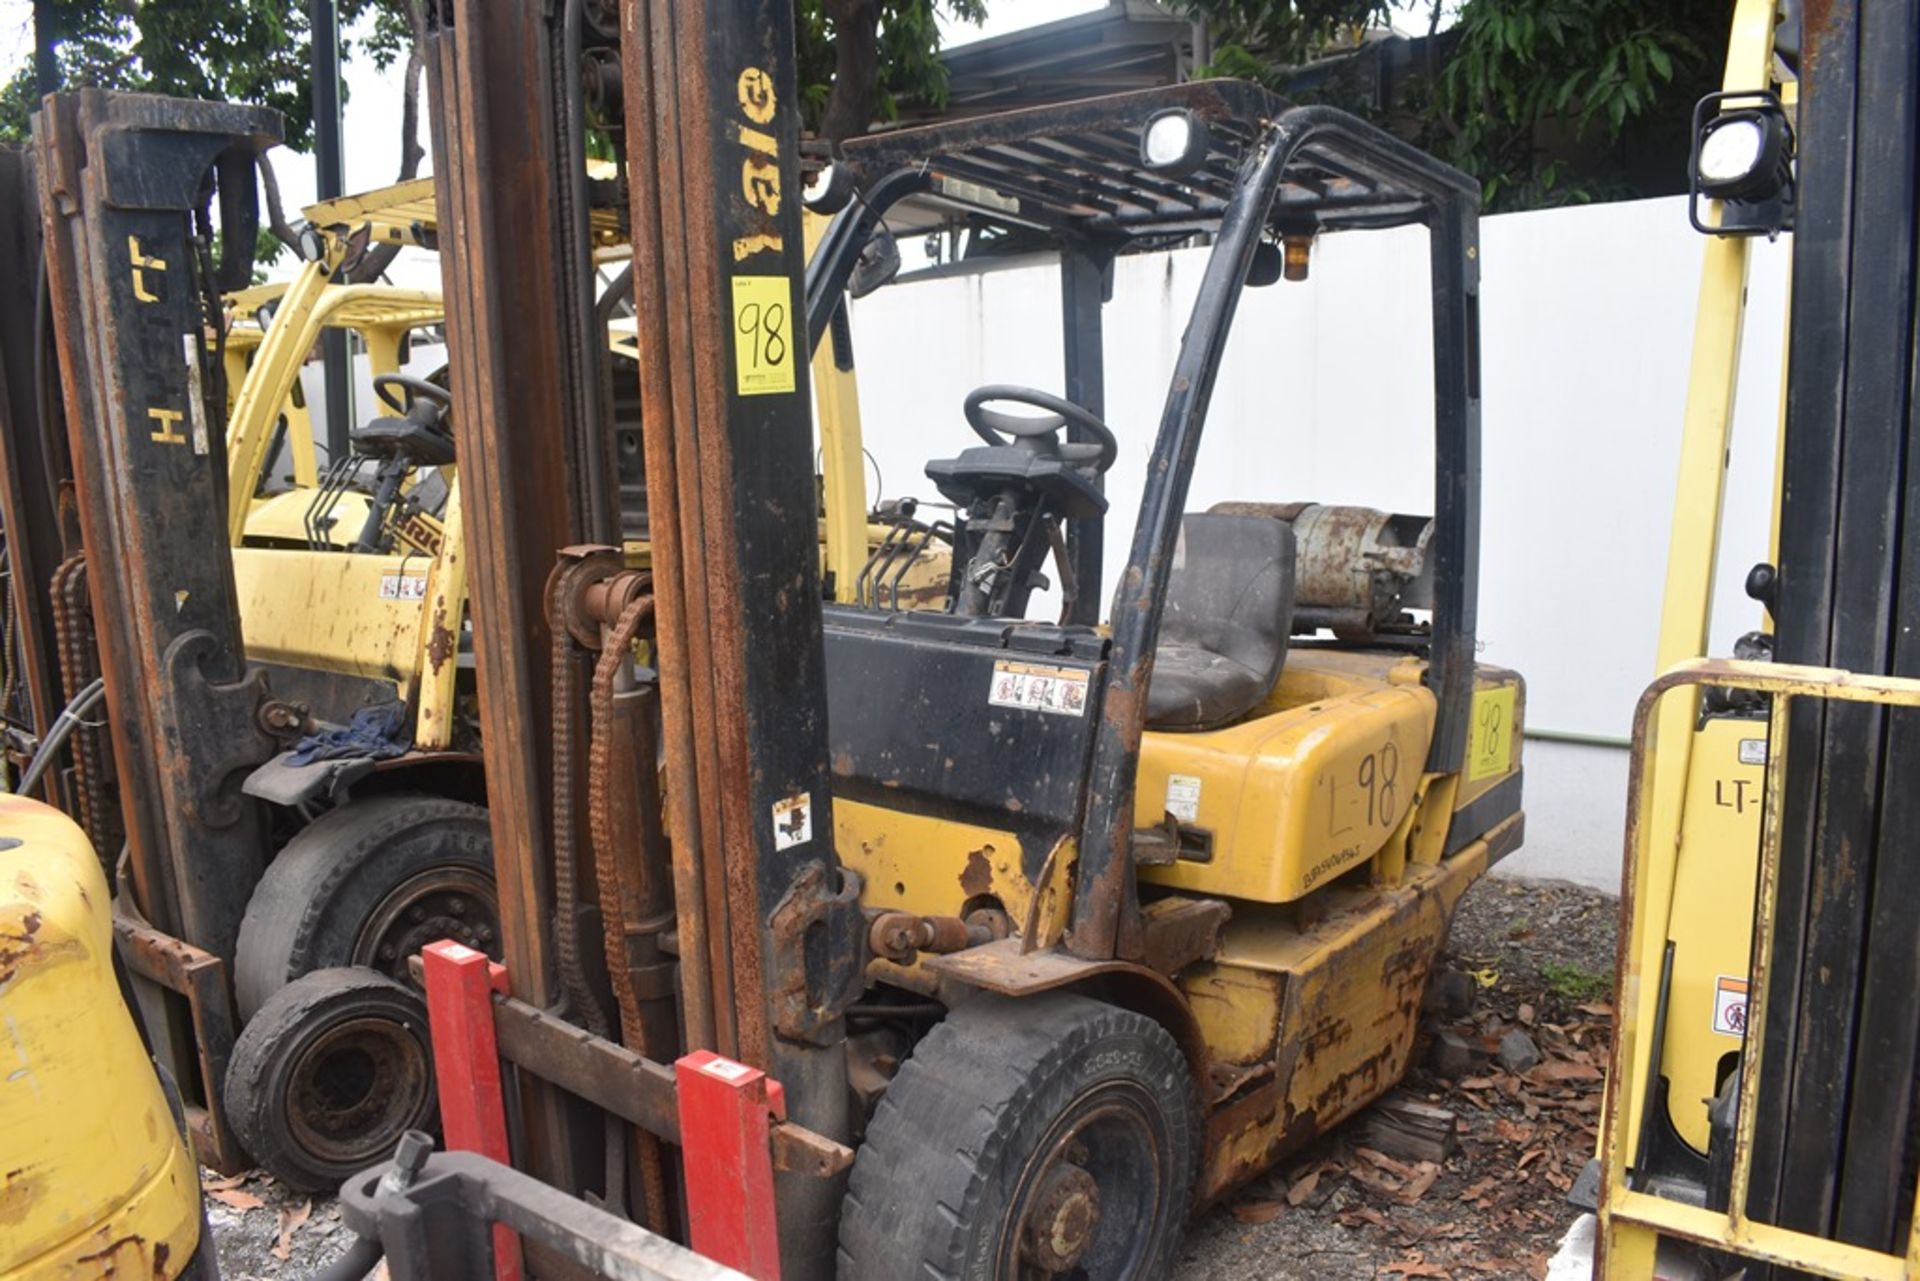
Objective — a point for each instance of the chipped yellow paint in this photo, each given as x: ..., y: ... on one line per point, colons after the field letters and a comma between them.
x: 96, y: 1180
x: 1323, y: 1014
x: 1310, y: 786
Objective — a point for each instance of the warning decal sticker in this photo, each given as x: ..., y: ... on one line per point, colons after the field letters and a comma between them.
x: 1039, y: 687
x: 1730, y: 1006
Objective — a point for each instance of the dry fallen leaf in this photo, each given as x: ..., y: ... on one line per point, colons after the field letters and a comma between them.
x: 1417, y: 1186
x: 1599, y: 1009
x: 1258, y: 1211
x: 1508, y: 1132
x: 1526, y: 1014
x: 1415, y: 1268
x: 236, y: 1198
x: 290, y: 1221
x: 1479, y: 1189
x: 1399, y: 1169
x: 1303, y: 1187
x: 221, y: 1185
x: 1564, y: 1070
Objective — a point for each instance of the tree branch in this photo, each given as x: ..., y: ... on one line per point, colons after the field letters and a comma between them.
x: 376, y: 261
x: 856, y: 72
x: 276, y: 213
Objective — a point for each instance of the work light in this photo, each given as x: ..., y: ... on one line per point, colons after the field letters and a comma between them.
x: 1742, y: 157
x: 1174, y: 141
x: 828, y: 189
x: 1741, y: 154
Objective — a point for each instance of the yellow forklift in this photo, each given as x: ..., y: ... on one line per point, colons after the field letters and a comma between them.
x: 1048, y: 930
x: 1208, y: 845
x: 100, y: 1178
x: 351, y: 601
x: 1760, y: 1106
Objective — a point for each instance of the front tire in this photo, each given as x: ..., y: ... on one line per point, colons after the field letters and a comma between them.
x: 1049, y: 1137
x: 328, y: 1075
x: 370, y: 883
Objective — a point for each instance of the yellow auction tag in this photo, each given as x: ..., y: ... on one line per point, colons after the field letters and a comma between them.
x: 763, y: 334
x: 1491, y: 750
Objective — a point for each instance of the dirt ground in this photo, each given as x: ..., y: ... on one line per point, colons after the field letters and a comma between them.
x: 1539, y: 957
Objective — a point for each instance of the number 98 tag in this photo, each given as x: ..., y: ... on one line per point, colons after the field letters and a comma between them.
x: 1490, y: 750
x: 763, y: 334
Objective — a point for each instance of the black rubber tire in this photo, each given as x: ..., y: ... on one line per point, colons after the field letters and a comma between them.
x: 310, y: 1044
x: 321, y: 891
x: 933, y: 1184
x: 204, y: 1263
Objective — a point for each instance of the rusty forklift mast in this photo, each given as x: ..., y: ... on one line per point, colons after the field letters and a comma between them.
x: 127, y: 183
x: 712, y: 112
x: 768, y: 936
x: 38, y: 527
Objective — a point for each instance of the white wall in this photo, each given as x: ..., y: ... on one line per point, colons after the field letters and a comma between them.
x: 1325, y: 395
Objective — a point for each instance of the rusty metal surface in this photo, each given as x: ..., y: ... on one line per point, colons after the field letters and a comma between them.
x: 504, y: 247
x: 630, y: 860
x: 121, y: 176
x: 1179, y: 931
x: 712, y: 132
x: 201, y: 978
x: 634, y: 1087
x: 581, y: 1002
x: 1002, y: 967
x: 88, y: 784
x: 32, y: 457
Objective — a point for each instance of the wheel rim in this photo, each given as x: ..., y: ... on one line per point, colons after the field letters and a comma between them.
x: 456, y: 903
x: 355, y: 1088
x: 1089, y: 1202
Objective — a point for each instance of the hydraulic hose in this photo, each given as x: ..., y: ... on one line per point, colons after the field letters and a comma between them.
x: 63, y: 726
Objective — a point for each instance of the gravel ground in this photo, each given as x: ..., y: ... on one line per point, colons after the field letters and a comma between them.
x: 1541, y: 955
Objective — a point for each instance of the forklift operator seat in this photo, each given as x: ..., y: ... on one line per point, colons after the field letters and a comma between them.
x: 1223, y: 637
x: 422, y: 436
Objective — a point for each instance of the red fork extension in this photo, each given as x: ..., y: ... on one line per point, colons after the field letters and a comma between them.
x: 466, y: 1064
x: 727, y: 1111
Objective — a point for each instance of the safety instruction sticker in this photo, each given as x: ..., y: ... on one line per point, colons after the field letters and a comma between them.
x: 1490, y: 751
x: 1039, y: 687
x: 1183, y: 797
x: 1753, y: 751
x: 397, y: 585
x: 1730, y: 1006
x: 792, y: 821
x: 763, y: 334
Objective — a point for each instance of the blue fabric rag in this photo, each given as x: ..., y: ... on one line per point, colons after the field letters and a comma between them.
x: 376, y: 732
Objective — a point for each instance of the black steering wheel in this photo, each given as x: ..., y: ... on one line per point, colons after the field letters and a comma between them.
x: 386, y: 386
x: 1002, y: 429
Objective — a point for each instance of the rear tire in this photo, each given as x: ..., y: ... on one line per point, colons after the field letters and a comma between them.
x: 369, y: 883
x: 328, y: 1075
x: 1053, y: 1136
